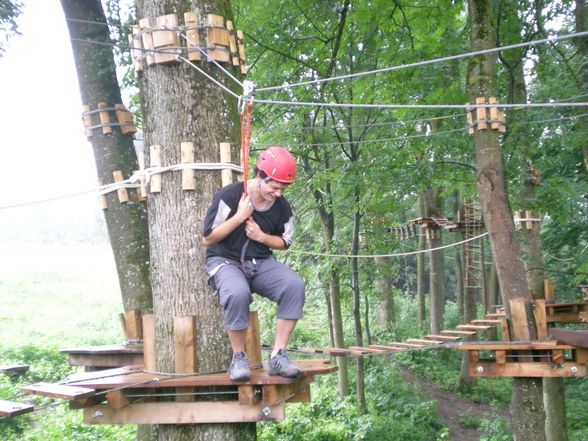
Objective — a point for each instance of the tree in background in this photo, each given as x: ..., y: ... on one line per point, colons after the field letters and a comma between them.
x: 126, y: 223
x: 9, y: 11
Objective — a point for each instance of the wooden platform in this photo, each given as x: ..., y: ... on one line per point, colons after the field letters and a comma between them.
x: 105, y: 356
x: 576, y: 312
x: 525, y: 359
x: 129, y: 393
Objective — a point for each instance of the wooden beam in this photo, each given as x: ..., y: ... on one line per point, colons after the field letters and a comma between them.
x: 185, y: 351
x: 462, y: 333
x: 526, y: 369
x: 184, y: 413
x: 252, y: 340
x: 519, y: 320
x: 149, y: 354
x: 133, y: 328
x: 423, y: 341
x: 442, y: 337
x: 541, y: 319
x: 470, y: 327
x: 577, y: 338
x: 386, y: 348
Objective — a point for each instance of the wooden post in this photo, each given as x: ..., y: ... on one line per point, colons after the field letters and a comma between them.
x: 193, y: 38
x: 102, y: 198
x: 142, y: 191
x: 123, y: 196
x: 252, y: 340
x: 166, y: 41
x: 518, y: 223
x: 232, y: 43
x: 241, y: 44
x: 187, y: 157
x: 147, y: 40
x: 185, y: 351
x: 529, y: 222
x: 218, y: 38
x: 520, y: 324
x: 548, y: 289
x: 494, y: 115
x: 104, y: 119
x: 481, y: 114
x: 87, y: 120
x: 469, y: 119
x: 136, y: 44
x: 133, y: 325
x: 225, y: 156
x: 541, y: 319
x: 149, y: 355
x: 155, y: 157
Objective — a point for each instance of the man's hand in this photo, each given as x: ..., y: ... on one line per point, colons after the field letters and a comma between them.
x: 245, y: 209
x: 253, y: 231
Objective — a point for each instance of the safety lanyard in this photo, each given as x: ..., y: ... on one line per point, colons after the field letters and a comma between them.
x: 245, y: 147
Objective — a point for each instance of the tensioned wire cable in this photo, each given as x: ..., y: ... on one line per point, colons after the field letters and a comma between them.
x: 423, y: 63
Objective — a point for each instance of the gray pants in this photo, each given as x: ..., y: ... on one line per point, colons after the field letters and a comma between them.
x: 266, y: 277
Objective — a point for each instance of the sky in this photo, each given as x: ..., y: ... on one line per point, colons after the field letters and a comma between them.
x: 43, y: 149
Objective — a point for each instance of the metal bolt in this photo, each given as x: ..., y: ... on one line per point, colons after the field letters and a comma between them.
x: 480, y: 369
x: 98, y: 414
x: 266, y: 411
x: 574, y: 369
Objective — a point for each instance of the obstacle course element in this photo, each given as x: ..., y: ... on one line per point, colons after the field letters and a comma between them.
x: 166, y: 39
x: 124, y: 119
x: 524, y: 220
x: 477, y: 117
x: 137, y: 394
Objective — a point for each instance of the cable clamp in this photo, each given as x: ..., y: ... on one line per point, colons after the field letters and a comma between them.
x: 248, y: 94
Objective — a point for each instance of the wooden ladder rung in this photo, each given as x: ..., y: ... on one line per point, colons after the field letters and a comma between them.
x: 441, y: 337
x: 368, y: 350
x: 62, y: 391
x: 463, y: 333
x: 470, y: 327
x: 423, y: 341
x: 10, y: 408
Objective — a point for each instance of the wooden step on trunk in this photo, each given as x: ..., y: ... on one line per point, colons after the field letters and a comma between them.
x: 387, y: 348
x: 368, y: 350
x: 9, y: 409
x: 405, y: 345
x: 495, y: 315
x: 486, y: 322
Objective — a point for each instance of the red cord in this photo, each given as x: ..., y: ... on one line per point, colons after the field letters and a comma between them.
x: 245, y: 144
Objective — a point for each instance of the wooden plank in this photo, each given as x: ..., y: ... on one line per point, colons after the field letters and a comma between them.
x: 442, y: 337
x: 495, y: 315
x: 481, y: 114
x: 423, y: 341
x: 10, y: 409
x: 123, y: 195
x: 62, y: 391
x: 301, y: 392
x: 149, y: 355
x: 116, y: 399
x: 581, y: 356
x: 147, y: 37
x: 526, y: 346
x: 104, y: 119
x: 500, y: 357
x: 469, y: 327
x: 155, y: 161
x: 405, y: 345
x: 541, y: 319
x: 183, y: 413
x: 185, y: 351
x: 133, y: 324
x: 577, y: 338
x: 505, y: 330
x: 247, y: 394
x: 166, y: 41
x: 462, y: 333
x: 14, y: 370
x: 188, y: 174
x: 526, y: 369
x: 192, y: 36
x: 225, y: 156
x: 369, y: 350
x: 548, y: 289
x: 253, y: 340
x: 486, y: 322
x: 386, y: 348
x: 520, y: 323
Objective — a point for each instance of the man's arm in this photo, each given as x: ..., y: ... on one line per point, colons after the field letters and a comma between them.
x: 225, y: 228
x: 254, y: 233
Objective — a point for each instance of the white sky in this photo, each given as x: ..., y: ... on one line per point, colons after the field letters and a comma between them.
x: 43, y: 149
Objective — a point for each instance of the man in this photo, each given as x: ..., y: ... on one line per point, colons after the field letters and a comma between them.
x: 240, y: 231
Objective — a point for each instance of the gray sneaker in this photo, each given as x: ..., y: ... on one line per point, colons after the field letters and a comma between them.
x: 281, y: 365
x: 239, y: 370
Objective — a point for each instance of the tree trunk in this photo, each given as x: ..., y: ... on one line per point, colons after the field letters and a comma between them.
x: 527, y: 413
x: 385, y: 305
x: 433, y: 204
x: 421, y: 279
x: 360, y: 380
x: 126, y: 222
x: 181, y: 105
x: 581, y: 18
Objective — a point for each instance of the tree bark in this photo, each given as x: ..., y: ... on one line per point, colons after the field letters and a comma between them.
x: 181, y: 105
x: 126, y: 223
x: 527, y: 413
x: 385, y: 303
x: 421, y: 278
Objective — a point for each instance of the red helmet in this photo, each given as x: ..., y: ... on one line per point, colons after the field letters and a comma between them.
x: 278, y: 164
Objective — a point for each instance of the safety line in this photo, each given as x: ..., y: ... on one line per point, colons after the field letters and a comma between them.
x: 423, y: 63
x: 371, y: 256
x: 420, y: 106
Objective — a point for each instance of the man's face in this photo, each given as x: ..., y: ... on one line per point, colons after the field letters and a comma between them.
x: 271, y: 190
